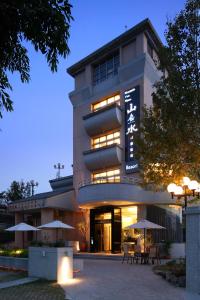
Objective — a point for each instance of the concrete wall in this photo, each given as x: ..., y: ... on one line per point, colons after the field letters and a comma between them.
x: 51, y: 263
x: 193, y: 249
x: 14, y: 262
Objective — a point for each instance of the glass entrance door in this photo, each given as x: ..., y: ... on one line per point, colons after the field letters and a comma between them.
x: 102, y: 237
x: 105, y: 229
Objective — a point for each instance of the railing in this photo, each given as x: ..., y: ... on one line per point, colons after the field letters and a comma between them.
x: 123, y: 179
x: 26, y: 205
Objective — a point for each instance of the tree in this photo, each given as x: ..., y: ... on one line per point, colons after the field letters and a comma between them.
x: 169, y: 143
x: 44, y: 23
x: 18, y: 191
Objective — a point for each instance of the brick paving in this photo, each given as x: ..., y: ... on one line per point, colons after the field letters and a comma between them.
x: 112, y: 280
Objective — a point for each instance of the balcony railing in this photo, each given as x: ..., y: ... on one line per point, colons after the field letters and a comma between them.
x: 26, y: 205
x: 102, y: 180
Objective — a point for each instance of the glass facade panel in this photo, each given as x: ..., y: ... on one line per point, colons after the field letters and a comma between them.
x: 109, y: 139
x: 106, y: 69
x: 107, y: 176
x: 99, y: 105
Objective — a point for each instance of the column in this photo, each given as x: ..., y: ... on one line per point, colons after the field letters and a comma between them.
x: 193, y: 249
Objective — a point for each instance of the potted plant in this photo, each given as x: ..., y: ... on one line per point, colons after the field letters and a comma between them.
x: 83, y: 229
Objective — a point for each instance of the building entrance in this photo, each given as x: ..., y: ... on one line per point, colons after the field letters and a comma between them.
x: 105, y: 229
x: 103, y: 237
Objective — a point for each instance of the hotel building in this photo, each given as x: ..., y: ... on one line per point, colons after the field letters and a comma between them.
x: 112, y: 85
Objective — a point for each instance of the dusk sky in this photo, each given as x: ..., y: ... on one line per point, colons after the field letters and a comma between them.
x: 38, y: 133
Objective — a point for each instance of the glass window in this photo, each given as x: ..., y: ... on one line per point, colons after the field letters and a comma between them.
x: 108, y: 176
x: 105, y: 102
x: 109, y: 139
x: 106, y: 69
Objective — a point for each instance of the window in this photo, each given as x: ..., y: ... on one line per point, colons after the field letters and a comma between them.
x: 105, y: 102
x: 106, y: 69
x: 106, y: 140
x: 107, y: 176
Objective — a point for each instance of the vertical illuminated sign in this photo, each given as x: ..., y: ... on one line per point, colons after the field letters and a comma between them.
x: 132, y: 121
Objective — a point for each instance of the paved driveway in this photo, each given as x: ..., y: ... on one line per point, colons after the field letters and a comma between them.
x: 112, y: 280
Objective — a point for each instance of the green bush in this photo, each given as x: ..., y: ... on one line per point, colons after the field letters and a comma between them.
x: 14, y: 252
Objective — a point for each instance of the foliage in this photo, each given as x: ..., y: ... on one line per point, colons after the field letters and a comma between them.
x: 43, y: 23
x: 56, y: 244
x: 83, y: 226
x: 167, y: 247
x: 18, y: 191
x: 169, y: 143
x: 176, y: 268
x: 14, y: 252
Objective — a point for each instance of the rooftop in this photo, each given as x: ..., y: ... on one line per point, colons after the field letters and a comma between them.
x: 144, y: 26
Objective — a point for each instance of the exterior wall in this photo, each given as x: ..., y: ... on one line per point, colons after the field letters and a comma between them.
x: 136, y: 68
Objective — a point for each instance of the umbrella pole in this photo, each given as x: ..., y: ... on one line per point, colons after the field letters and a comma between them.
x: 23, y: 239
x: 144, y: 239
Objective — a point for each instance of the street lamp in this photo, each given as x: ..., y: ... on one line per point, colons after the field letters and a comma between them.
x: 186, y: 189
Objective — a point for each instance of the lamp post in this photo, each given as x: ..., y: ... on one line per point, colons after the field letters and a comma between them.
x: 186, y: 188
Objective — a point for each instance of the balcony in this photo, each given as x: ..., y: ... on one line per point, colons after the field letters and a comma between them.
x: 125, y: 192
x: 107, y: 118
x: 104, y: 157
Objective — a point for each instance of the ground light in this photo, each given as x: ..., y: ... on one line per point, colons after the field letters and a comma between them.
x: 65, y: 270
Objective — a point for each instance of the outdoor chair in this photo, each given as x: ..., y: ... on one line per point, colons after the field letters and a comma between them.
x: 127, y: 254
x: 154, y: 254
x: 137, y: 254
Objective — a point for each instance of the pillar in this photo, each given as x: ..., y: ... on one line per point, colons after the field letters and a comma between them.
x: 18, y: 235
x: 47, y: 216
x: 193, y: 249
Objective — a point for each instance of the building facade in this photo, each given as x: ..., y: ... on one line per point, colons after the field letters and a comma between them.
x: 111, y: 87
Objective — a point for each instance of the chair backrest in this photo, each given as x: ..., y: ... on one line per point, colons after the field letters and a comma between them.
x: 153, y: 251
x: 126, y: 248
x: 137, y: 248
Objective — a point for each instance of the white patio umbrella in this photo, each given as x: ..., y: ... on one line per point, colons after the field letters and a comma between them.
x: 55, y: 225
x: 145, y: 224
x: 22, y: 227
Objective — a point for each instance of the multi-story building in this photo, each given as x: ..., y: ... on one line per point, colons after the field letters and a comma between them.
x: 111, y: 87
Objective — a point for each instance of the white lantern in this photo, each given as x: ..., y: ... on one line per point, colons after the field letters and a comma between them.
x: 178, y: 190
x: 193, y: 185
x: 171, y: 188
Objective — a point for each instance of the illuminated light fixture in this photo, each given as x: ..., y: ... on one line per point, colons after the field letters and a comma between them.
x: 178, y: 190
x: 18, y: 251
x: 171, y: 188
x: 186, y: 181
x: 193, y: 185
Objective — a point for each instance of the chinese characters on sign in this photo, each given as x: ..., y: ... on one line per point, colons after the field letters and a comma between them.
x: 132, y: 121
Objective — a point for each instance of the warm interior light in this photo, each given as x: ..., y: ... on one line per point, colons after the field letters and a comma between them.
x: 186, y: 180
x: 178, y: 190
x: 193, y: 185
x: 171, y: 188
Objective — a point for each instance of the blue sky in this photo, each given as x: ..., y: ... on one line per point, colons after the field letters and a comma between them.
x: 38, y: 133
